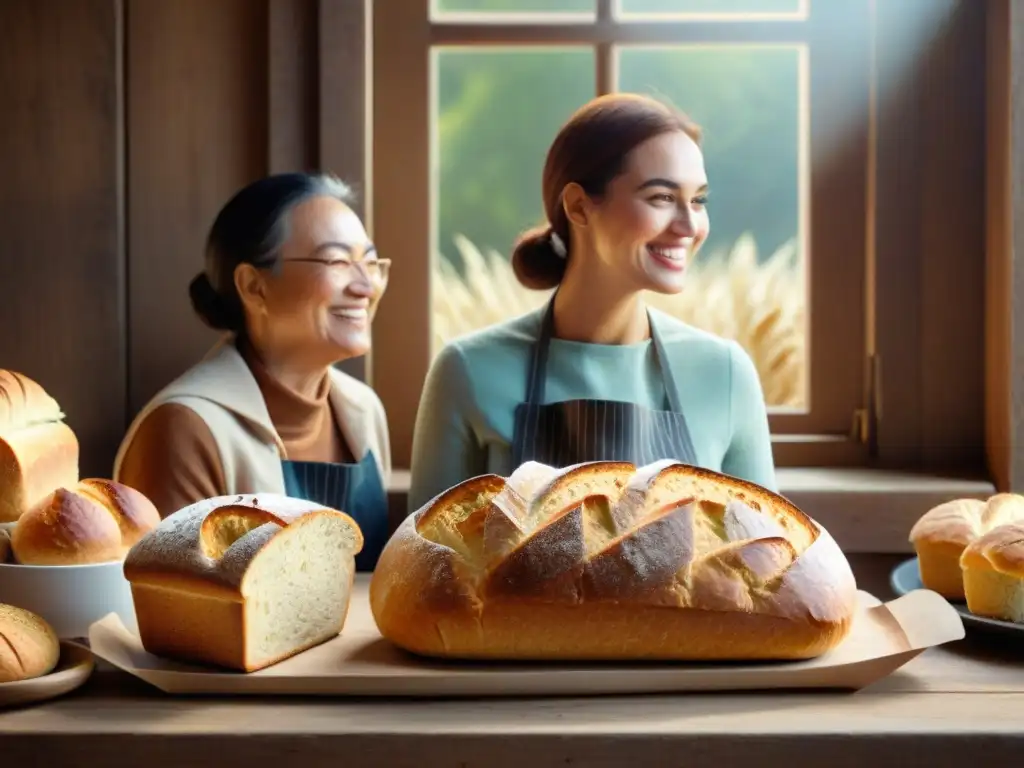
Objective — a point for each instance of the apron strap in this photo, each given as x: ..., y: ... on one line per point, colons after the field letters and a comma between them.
x: 537, y: 372
x: 667, y: 376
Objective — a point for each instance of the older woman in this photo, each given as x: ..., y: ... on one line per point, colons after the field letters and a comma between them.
x: 293, y: 280
x: 597, y: 374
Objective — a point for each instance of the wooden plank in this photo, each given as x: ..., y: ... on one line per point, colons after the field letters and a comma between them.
x: 929, y: 213
x: 292, y: 85
x: 61, y: 259
x: 344, y: 137
x: 197, y: 122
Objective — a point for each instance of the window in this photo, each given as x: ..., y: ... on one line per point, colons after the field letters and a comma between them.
x: 468, y: 94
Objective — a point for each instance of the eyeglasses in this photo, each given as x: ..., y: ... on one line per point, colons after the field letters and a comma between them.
x: 376, y: 269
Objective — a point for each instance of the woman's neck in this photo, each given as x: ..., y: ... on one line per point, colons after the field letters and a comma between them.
x: 588, y: 311
x: 304, y: 379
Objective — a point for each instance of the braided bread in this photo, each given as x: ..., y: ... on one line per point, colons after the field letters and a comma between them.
x: 605, y: 560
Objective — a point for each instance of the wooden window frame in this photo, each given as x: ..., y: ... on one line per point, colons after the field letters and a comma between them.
x: 836, y: 196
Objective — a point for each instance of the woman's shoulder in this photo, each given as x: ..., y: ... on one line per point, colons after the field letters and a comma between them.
x: 495, y: 346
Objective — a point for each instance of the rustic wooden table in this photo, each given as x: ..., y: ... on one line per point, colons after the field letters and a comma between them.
x: 953, y: 705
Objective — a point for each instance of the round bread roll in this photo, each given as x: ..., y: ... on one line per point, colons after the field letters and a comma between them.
x: 5, y: 546
x: 29, y: 647
x: 993, y: 567
x: 944, y: 532
x: 98, y: 521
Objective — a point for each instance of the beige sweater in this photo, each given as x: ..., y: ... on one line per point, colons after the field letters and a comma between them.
x: 224, y: 426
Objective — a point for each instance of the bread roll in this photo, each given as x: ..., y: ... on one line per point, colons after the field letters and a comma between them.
x: 5, y: 546
x: 95, y: 521
x: 993, y: 573
x: 604, y: 561
x: 943, y: 532
x: 29, y: 647
x: 243, y: 581
x: 38, y: 451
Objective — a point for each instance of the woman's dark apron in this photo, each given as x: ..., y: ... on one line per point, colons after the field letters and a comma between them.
x: 576, y: 431
x: 355, y: 489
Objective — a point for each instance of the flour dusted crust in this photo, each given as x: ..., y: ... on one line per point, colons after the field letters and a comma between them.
x: 941, y: 536
x: 605, y: 560
x: 243, y: 581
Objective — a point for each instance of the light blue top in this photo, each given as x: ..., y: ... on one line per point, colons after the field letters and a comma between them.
x: 467, y: 410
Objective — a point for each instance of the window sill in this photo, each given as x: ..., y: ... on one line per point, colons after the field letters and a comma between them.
x: 865, y: 510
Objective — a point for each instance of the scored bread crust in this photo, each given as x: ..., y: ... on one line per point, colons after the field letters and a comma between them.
x: 93, y: 521
x: 38, y: 451
x: 23, y: 403
x: 208, y: 546
x: 604, y: 560
x: 199, y: 590
x: 29, y: 648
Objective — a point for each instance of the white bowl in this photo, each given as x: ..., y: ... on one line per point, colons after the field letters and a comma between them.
x: 69, y: 597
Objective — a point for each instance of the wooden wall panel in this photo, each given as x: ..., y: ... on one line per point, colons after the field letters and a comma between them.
x: 1004, y: 281
x: 197, y: 126
x: 931, y: 232
x: 61, y: 261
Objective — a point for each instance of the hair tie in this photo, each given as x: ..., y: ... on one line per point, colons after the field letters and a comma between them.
x: 558, y: 245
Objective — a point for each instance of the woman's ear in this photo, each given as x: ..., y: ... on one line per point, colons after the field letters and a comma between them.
x: 251, y: 288
x: 576, y: 204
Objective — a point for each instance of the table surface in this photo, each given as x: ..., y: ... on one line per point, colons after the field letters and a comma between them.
x: 948, y: 706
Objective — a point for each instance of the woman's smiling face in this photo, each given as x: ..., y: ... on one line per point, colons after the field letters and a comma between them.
x: 321, y: 299
x: 652, y: 218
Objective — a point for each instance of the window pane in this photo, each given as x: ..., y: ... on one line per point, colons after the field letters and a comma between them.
x: 496, y: 113
x: 516, y: 7
x: 748, y: 282
x: 739, y: 8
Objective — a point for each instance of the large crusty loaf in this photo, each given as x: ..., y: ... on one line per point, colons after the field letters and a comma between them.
x: 604, y: 560
x: 38, y: 451
x: 993, y: 573
x: 29, y: 647
x: 94, y: 521
x: 243, y: 581
x: 942, y: 534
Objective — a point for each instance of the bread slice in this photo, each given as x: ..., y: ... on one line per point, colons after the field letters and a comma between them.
x: 605, y: 560
x: 244, y: 581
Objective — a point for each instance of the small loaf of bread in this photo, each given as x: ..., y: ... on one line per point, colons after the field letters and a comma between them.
x: 942, y: 534
x: 94, y: 521
x: 5, y: 546
x: 29, y: 647
x: 993, y: 573
x: 244, y: 581
x: 605, y: 561
x: 38, y: 451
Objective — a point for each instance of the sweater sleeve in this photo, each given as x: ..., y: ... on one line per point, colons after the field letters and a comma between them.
x: 749, y: 455
x: 173, y: 459
x: 445, y: 449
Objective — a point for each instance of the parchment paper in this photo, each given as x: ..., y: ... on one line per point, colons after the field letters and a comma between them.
x: 359, y: 662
